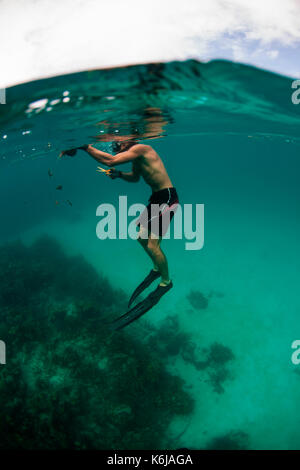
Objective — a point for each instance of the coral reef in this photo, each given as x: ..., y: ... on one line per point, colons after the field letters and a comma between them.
x: 217, y: 357
x: 69, y: 383
x: 170, y: 341
x: 215, y: 361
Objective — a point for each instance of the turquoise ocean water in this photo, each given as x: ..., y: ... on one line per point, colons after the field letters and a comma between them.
x: 210, y: 366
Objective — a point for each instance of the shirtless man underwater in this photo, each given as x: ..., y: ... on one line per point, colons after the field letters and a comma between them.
x: 146, y: 163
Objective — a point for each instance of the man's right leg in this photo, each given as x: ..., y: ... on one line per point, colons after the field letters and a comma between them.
x: 160, y: 268
x: 159, y: 259
x: 144, y: 242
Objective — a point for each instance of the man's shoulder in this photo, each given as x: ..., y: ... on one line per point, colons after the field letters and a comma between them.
x: 141, y: 149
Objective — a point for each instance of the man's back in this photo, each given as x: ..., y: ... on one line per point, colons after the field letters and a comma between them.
x: 150, y: 166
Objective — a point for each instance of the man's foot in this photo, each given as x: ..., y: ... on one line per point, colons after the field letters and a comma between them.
x: 165, y: 283
x: 160, y: 291
x: 141, y: 308
x: 152, y: 276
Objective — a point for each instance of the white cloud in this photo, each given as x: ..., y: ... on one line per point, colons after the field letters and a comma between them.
x: 47, y: 37
x: 238, y: 53
x: 273, y: 54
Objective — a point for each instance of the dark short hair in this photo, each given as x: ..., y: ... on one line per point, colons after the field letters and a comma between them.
x: 116, y: 146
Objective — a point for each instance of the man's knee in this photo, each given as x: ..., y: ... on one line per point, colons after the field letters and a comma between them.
x: 153, y: 244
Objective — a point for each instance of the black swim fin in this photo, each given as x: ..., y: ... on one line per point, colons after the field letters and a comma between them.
x: 152, y: 276
x: 141, y: 308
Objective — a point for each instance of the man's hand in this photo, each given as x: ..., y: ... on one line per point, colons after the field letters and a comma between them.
x: 72, y: 152
x: 113, y: 173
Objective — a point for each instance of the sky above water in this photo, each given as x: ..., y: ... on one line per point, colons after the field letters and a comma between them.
x: 42, y: 38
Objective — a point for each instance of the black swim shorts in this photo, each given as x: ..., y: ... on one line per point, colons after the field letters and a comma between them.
x: 159, y: 212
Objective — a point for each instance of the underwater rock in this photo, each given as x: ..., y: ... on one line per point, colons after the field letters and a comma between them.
x: 69, y: 383
x: 197, y: 300
x: 218, y: 355
x: 234, y: 440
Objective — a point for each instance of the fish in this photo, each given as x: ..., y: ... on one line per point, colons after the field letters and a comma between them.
x: 59, y: 187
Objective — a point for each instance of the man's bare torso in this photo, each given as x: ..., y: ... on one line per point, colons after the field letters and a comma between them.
x: 150, y: 166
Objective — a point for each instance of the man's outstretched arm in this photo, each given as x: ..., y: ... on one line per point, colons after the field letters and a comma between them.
x: 119, y: 158
x: 102, y: 157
